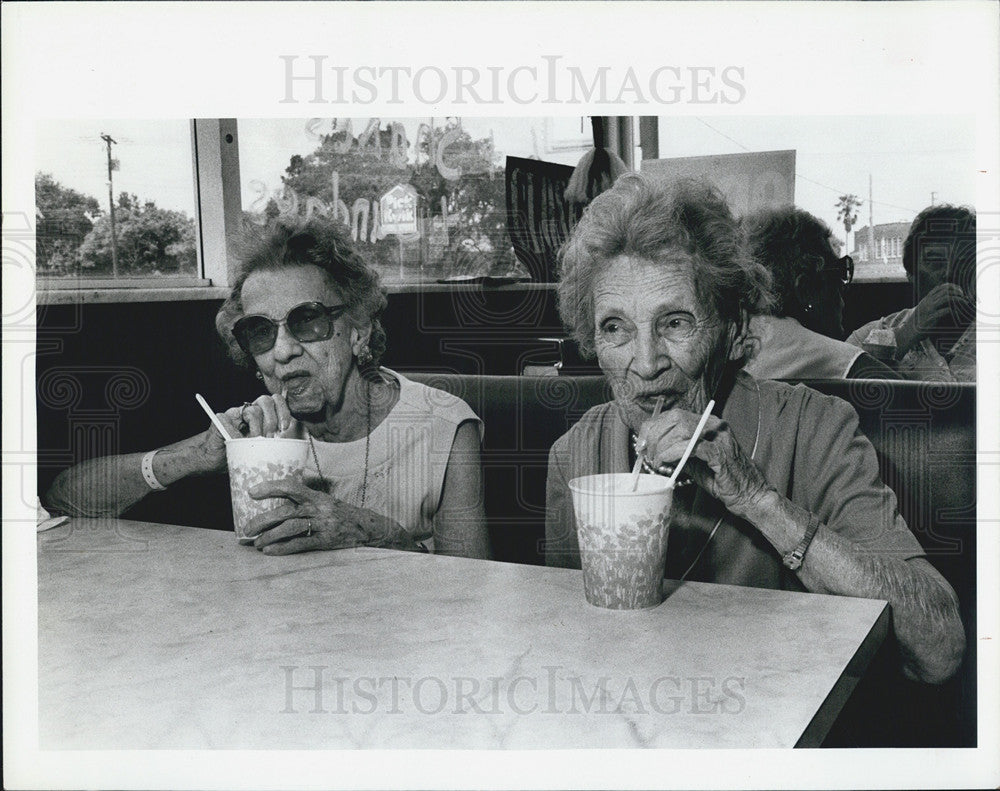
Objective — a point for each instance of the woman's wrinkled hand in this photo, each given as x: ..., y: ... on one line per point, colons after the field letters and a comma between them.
x: 311, y: 520
x: 941, y: 303
x: 210, y: 450
x: 717, y: 463
x: 267, y: 416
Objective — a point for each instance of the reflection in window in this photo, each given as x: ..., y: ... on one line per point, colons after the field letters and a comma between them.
x: 424, y: 198
x: 114, y: 199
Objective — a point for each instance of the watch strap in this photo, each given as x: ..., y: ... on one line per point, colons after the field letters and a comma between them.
x: 793, y: 560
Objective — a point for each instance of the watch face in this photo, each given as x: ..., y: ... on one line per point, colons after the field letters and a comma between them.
x: 792, y: 561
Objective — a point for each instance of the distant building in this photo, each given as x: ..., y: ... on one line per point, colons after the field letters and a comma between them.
x: 888, y: 244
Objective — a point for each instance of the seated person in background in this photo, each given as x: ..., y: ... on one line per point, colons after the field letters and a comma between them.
x: 785, y: 490
x: 800, y: 336
x: 305, y: 312
x: 936, y: 339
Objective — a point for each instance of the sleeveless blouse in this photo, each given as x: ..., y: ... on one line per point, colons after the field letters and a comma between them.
x: 407, y: 457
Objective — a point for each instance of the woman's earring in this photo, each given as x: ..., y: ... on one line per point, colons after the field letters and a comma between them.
x: 259, y: 375
x: 365, y: 355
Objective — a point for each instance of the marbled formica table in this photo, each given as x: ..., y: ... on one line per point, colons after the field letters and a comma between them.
x: 156, y: 636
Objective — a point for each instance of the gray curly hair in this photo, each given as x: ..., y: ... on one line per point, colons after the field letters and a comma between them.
x: 289, y: 242
x: 640, y: 218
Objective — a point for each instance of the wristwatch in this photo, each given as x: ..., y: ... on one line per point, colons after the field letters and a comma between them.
x: 793, y: 559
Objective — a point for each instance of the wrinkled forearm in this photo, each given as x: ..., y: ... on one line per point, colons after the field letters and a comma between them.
x: 110, y: 485
x: 463, y: 535
x: 924, y: 607
x: 925, y: 615
x: 107, y: 486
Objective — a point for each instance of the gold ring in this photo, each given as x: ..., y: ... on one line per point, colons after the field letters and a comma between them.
x: 309, y: 530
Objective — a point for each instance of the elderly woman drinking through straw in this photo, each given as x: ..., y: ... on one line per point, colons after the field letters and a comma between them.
x: 392, y: 463
x: 782, y: 489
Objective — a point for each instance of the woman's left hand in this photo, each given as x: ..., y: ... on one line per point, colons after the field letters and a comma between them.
x: 312, y: 520
x: 717, y: 463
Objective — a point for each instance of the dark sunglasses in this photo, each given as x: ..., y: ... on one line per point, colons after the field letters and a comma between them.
x: 844, y: 269
x: 308, y: 322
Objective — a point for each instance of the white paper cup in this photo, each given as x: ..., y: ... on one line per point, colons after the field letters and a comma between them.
x: 623, y: 538
x: 253, y: 460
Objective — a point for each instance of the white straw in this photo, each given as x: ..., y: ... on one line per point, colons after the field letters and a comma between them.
x: 637, y: 468
x: 282, y: 428
x: 693, y: 442
x: 211, y: 414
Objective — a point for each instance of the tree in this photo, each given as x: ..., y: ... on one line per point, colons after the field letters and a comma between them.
x: 847, y: 206
x: 64, y: 218
x: 447, y: 164
x: 150, y: 241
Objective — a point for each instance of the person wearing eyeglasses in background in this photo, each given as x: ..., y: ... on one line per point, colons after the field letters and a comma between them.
x: 393, y: 463
x: 936, y: 339
x: 801, y: 337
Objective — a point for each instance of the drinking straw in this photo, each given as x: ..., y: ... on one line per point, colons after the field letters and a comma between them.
x: 638, y: 456
x: 693, y: 441
x: 282, y: 428
x: 208, y: 411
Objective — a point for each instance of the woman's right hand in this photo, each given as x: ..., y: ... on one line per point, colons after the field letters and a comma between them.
x: 941, y: 302
x: 267, y: 416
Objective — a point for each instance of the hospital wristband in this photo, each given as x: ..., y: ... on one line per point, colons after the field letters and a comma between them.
x: 148, y: 474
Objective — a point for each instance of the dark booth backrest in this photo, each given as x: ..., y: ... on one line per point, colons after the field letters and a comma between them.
x: 925, y: 439
x: 923, y: 433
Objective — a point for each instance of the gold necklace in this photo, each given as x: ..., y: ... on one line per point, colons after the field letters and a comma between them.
x: 368, y: 444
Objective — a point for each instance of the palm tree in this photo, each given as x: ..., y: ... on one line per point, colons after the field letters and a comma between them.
x: 847, y: 206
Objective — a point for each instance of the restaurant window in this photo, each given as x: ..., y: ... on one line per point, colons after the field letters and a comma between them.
x: 894, y: 165
x: 115, y: 205
x: 424, y: 198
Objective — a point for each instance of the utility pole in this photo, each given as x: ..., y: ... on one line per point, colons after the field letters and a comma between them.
x: 871, y: 223
x: 111, y: 204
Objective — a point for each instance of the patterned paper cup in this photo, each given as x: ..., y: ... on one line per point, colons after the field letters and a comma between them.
x: 253, y: 460
x: 623, y: 538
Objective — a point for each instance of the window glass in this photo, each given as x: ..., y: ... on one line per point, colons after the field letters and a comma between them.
x: 424, y: 198
x: 114, y: 199
x: 911, y: 162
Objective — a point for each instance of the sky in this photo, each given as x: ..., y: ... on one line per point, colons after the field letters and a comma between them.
x: 912, y: 160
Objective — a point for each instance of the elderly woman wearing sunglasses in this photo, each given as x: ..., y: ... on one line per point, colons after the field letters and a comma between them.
x: 801, y: 335
x: 392, y: 463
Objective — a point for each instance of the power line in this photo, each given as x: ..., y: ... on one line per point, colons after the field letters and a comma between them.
x: 723, y: 134
x: 844, y: 192
x: 806, y: 178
